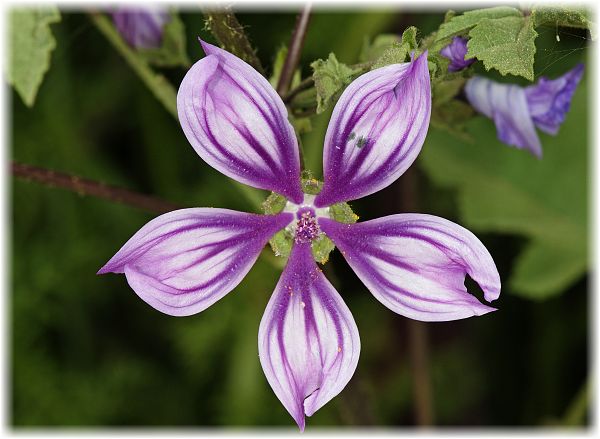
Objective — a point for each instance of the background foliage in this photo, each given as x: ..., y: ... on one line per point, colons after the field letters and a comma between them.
x: 87, y: 352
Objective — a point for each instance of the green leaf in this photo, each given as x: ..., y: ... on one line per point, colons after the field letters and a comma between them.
x: 331, y: 77
x: 461, y: 23
x: 172, y: 51
x: 409, y: 37
x: 398, y: 51
x: 394, y: 55
x: 564, y: 16
x: 505, y: 190
x: 505, y: 44
x: 31, y: 45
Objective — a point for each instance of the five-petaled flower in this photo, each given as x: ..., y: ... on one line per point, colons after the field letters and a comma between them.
x: 517, y: 111
x: 456, y: 52
x: 141, y: 27
x: 184, y: 261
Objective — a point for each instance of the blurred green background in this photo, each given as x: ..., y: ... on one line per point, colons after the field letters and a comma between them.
x: 86, y: 351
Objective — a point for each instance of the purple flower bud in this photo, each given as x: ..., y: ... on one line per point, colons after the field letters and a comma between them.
x: 142, y: 28
x: 516, y: 110
x: 456, y: 52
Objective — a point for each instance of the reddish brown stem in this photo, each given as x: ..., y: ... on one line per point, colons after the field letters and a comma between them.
x: 293, y: 56
x: 84, y: 186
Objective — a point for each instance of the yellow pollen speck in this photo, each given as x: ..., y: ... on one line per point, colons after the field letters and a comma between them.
x: 339, y: 349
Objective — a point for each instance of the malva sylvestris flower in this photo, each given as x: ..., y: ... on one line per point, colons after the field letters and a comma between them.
x: 517, y: 111
x: 184, y: 261
x: 456, y: 52
x: 141, y: 27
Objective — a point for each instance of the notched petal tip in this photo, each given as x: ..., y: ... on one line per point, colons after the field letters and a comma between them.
x: 416, y: 264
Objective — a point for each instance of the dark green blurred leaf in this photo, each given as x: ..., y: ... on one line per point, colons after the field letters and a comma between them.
x: 505, y: 190
x: 31, y: 45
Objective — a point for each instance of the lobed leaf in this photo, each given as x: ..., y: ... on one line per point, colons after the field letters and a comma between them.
x: 505, y: 44
x: 31, y: 46
x: 455, y: 25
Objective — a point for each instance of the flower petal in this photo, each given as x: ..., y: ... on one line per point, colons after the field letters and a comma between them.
x: 238, y: 124
x: 142, y: 28
x: 416, y: 264
x: 307, y: 342
x: 550, y: 100
x: 507, y: 105
x: 456, y: 52
x: 184, y: 261
x: 376, y: 131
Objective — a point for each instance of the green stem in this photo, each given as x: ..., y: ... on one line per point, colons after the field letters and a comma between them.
x: 157, y: 83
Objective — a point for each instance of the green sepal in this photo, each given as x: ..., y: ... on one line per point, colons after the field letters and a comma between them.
x: 342, y: 213
x: 310, y: 185
x: 321, y: 248
x: 281, y: 243
x: 274, y: 204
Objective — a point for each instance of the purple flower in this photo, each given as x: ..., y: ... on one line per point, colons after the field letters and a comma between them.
x: 516, y: 111
x: 142, y: 28
x: 456, y: 52
x: 184, y: 261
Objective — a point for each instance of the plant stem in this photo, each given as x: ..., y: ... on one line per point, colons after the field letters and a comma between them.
x: 230, y: 35
x: 418, y: 340
x: 293, y: 56
x: 84, y: 186
x: 304, y: 85
x: 157, y: 83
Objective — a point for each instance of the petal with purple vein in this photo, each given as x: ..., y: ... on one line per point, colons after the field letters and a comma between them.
x: 184, y: 261
x: 308, y: 342
x: 376, y: 131
x: 416, y: 264
x: 238, y: 124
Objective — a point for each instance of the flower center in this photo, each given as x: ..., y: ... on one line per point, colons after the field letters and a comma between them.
x: 307, y: 228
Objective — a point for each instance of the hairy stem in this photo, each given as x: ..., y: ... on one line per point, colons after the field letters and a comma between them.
x: 293, y: 56
x: 418, y: 339
x: 230, y: 35
x: 84, y: 186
